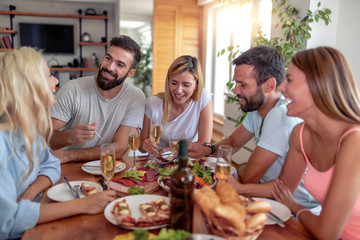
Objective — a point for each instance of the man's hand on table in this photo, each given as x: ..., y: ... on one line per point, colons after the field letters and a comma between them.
x: 196, y: 150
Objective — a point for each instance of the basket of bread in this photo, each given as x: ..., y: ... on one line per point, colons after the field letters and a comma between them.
x: 230, y: 215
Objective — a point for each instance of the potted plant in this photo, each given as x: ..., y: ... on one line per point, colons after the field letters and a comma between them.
x: 295, y: 30
x: 143, y: 74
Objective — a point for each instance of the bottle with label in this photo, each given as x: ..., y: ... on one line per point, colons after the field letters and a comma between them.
x: 181, y: 192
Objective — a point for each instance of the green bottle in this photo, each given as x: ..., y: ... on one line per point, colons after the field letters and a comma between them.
x: 181, y: 192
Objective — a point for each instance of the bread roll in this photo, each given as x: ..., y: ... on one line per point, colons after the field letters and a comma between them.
x: 207, y: 199
x: 233, y: 217
x: 258, y: 206
x: 227, y: 193
x: 256, y: 221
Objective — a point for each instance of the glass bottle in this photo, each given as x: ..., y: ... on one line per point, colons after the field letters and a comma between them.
x: 181, y: 192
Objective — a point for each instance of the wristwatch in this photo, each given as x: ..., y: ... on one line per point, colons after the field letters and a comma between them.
x: 210, y: 145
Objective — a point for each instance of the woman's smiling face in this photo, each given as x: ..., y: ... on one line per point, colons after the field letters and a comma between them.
x: 182, y: 87
x: 296, y: 90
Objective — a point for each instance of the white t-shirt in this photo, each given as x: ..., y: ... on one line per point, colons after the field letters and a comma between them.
x: 79, y: 102
x: 185, y: 126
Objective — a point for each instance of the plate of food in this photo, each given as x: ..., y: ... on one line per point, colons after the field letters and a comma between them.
x: 140, y: 178
x: 164, y: 183
x: 203, y: 176
x: 278, y: 209
x: 62, y: 193
x: 141, y: 211
x: 93, y: 167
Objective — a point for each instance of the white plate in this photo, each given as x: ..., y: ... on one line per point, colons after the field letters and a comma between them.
x: 134, y: 201
x: 62, y: 193
x: 211, y: 162
x: 97, y: 171
x: 278, y: 209
x: 197, y: 236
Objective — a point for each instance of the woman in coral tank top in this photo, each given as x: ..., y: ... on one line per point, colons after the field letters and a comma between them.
x: 323, y: 92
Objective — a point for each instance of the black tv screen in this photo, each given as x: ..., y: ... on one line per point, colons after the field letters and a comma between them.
x: 51, y: 38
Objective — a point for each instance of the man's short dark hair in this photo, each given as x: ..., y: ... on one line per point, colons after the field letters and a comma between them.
x: 267, y: 62
x: 130, y: 45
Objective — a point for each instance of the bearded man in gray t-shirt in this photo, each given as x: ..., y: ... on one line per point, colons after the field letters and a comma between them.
x: 99, y: 109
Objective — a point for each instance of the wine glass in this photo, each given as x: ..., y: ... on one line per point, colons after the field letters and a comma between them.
x: 223, y: 162
x: 173, y: 144
x: 155, y: 134
x: 107, y: 165
x: 134, y: 142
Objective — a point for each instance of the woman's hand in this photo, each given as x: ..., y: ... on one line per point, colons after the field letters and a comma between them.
x: 282, y: 194
x: 97, y: 202
x: 149, y: 146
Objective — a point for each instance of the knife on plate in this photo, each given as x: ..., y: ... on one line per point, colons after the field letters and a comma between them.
x: 271, y: 215
x: 72, y: 190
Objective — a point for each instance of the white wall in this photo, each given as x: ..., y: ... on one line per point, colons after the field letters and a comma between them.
x: 342, y: 33
x: 96, y: 28
x: 348, y: 34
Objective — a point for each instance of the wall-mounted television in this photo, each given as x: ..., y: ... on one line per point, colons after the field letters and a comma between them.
x: 51, y: 38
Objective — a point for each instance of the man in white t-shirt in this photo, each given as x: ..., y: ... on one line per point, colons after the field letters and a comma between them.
x: 99, y: 109
x: 258, y: 73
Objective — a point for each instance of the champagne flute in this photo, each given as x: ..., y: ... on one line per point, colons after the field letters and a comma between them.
x: 107, y: 165
x: 155, y: 134
x: 173, y: 144
x: 134, y: 142
x: 223, y: 162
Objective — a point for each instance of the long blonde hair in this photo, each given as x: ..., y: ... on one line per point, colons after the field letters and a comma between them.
x: 25, y: 99
x: 185, y: 63
x: 331, y: 82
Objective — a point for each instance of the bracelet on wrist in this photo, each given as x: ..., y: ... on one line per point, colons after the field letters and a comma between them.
x: 300, y: 211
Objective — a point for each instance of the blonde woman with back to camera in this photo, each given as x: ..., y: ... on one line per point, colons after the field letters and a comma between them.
x: 27, y: 167
x: 322, y: 90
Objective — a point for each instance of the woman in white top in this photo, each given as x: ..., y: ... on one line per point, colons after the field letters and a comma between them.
x: 184, y: 110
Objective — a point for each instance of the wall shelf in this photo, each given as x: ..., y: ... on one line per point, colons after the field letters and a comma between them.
x: 34, y: 14
x: 81, y: 43
x: 8, y: 31
x: 73, y: 69
x: 93, y: 43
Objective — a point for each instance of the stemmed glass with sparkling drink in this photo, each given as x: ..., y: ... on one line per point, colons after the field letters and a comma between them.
x: 134, y: 142
x: 155, y: 134
x: 223, y: 162
x: 173, y: 144
x: 107, y: 159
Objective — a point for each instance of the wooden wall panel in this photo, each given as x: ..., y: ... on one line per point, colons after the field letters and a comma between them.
x: 177, y: 30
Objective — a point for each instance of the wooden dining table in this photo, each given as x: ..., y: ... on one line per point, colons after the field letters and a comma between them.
x: 98, y: 227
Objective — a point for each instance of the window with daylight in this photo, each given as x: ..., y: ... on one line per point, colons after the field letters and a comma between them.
x: 231, y: 24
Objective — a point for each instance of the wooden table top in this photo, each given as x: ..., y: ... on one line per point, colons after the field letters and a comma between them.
x: 97, y: 227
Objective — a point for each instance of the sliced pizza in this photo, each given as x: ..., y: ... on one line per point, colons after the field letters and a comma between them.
x: 162, y: 207
x: 155, y: 213
x: 88, y: 189
x: 122, y: 214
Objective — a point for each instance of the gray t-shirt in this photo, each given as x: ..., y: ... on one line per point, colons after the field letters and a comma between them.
x: 79, y: 102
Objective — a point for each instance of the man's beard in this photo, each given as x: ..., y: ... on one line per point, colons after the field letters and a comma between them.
x: 255, y: 101
x: 106, y: 84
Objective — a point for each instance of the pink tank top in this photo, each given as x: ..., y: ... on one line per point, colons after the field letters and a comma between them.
x: 317, y: 183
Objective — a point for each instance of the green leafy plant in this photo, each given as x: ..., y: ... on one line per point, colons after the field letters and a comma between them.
x: 143, y: 74
x: 295, y: 30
